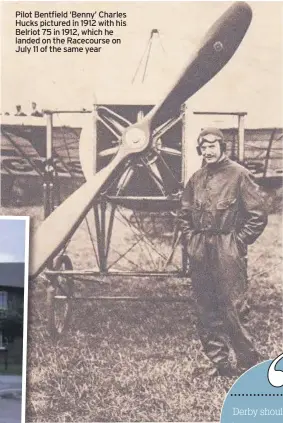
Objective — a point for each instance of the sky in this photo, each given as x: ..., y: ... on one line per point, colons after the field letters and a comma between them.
x: 12, y: 240
x: 251, y: 81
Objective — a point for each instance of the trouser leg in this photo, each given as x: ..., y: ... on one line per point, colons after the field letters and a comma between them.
x: 246, y: 353
x: 215, y: 343
x: 244, y: 311
x: 232, y: 294
x: 210, y: 325
x: 243, y: 303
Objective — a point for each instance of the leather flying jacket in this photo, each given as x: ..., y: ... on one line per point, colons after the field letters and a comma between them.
x: 223, y: 198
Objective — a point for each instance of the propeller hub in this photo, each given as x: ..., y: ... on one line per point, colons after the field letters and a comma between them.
x: 136, y: 139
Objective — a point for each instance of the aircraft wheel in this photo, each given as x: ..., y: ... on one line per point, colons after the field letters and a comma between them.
x: 60, y: 298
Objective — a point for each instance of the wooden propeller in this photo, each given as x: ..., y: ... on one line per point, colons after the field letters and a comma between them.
x: 217, y: 47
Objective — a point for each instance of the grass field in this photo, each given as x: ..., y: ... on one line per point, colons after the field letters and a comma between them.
x: 127, y: 361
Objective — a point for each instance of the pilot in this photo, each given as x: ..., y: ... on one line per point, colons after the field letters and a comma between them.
x: 222, y: 213
x: 19, y: 111
x: 35, y: 112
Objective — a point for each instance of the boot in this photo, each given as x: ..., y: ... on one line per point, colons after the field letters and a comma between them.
x: 217, y: 370
x: 244, y: 363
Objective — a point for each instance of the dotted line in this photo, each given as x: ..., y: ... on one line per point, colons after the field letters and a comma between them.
x: 256, y: 395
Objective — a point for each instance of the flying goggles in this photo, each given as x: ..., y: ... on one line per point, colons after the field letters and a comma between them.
x: 211, y: 138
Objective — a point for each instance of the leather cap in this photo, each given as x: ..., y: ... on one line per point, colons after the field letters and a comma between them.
x: 210, y: 135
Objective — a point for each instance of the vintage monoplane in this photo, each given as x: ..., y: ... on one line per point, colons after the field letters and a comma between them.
x: 142, y: 171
